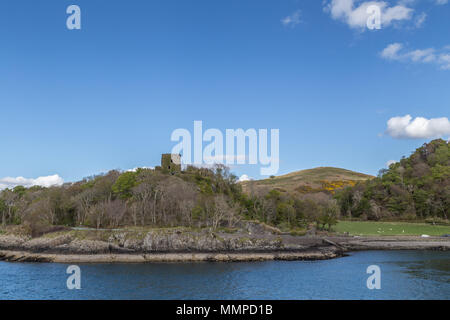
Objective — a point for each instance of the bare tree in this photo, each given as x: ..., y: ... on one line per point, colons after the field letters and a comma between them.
x: 42, y: 209
x: 115, y: 211
x: 10, y: 198
x: 134, y: 211
x: 143, y: 194
x: 96, y: 213
x: 220, y: 210
x: 84, y: 201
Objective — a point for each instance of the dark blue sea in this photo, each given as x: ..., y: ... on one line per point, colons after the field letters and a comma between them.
x: 404, y: 275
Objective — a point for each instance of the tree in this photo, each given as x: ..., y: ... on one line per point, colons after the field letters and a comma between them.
x: 124, y: 184
x: 145, y: 194
x: 115, y: 211
x: 9, y: 199
x: 84, y: 200
x: 219, y: 209
x: 329, y: 216
x: 96, y: 214
x: 3, y: 210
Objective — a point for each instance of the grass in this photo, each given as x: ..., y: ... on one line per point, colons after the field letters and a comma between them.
x: 298, y: 232
x: 390, y: 228
x: 311, y: 177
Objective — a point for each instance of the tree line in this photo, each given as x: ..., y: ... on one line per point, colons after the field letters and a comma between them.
x: 417, y: 187
x: 196, y: 197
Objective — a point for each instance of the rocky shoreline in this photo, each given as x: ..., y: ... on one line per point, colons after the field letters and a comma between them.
x: 253, y: 243
x: 21, y: 256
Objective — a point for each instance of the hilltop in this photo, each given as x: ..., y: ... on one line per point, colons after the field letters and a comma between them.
x: 321, y: 179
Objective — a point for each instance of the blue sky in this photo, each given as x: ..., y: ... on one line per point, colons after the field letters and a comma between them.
x: 80, y: 102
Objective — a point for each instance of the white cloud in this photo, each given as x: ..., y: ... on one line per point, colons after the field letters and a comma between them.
x: 426, y: 55
x: 391, y: 51
x: 388, y: 163
x: 245, y: 177
x: 444, y: 61
x: 419, y: 128
x: 440, y: 2
x: 292, y: 20
x: 396, y: 51
x: 48, y: 181
x: 135, y: 169
x: 420, y: 19
x: 356, y: 16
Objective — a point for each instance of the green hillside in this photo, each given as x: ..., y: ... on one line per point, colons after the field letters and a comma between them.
x: 321, y: 179
x: 417, y: 187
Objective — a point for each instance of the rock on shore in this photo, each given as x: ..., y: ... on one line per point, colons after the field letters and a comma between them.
x: 251, y: 243
x: 21, y: 256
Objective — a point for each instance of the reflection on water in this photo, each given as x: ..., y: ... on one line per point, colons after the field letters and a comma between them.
x: 404, y: 275
x: 433, y: 269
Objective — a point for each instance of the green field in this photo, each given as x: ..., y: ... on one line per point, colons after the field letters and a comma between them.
x: 390, y: 228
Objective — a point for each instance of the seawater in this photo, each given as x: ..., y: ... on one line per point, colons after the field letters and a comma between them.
x: 404, y: 275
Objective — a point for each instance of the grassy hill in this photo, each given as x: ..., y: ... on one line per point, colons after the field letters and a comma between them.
x: 322, y: 179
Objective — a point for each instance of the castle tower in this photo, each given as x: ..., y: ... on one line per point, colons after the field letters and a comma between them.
x: 171, y: 163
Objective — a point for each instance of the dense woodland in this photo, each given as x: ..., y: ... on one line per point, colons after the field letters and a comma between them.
x: 417, y: 187
x: 196, y: 197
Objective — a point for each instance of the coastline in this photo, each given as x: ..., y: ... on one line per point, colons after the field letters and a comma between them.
x: 289, y: 248
x: 21, y: 256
